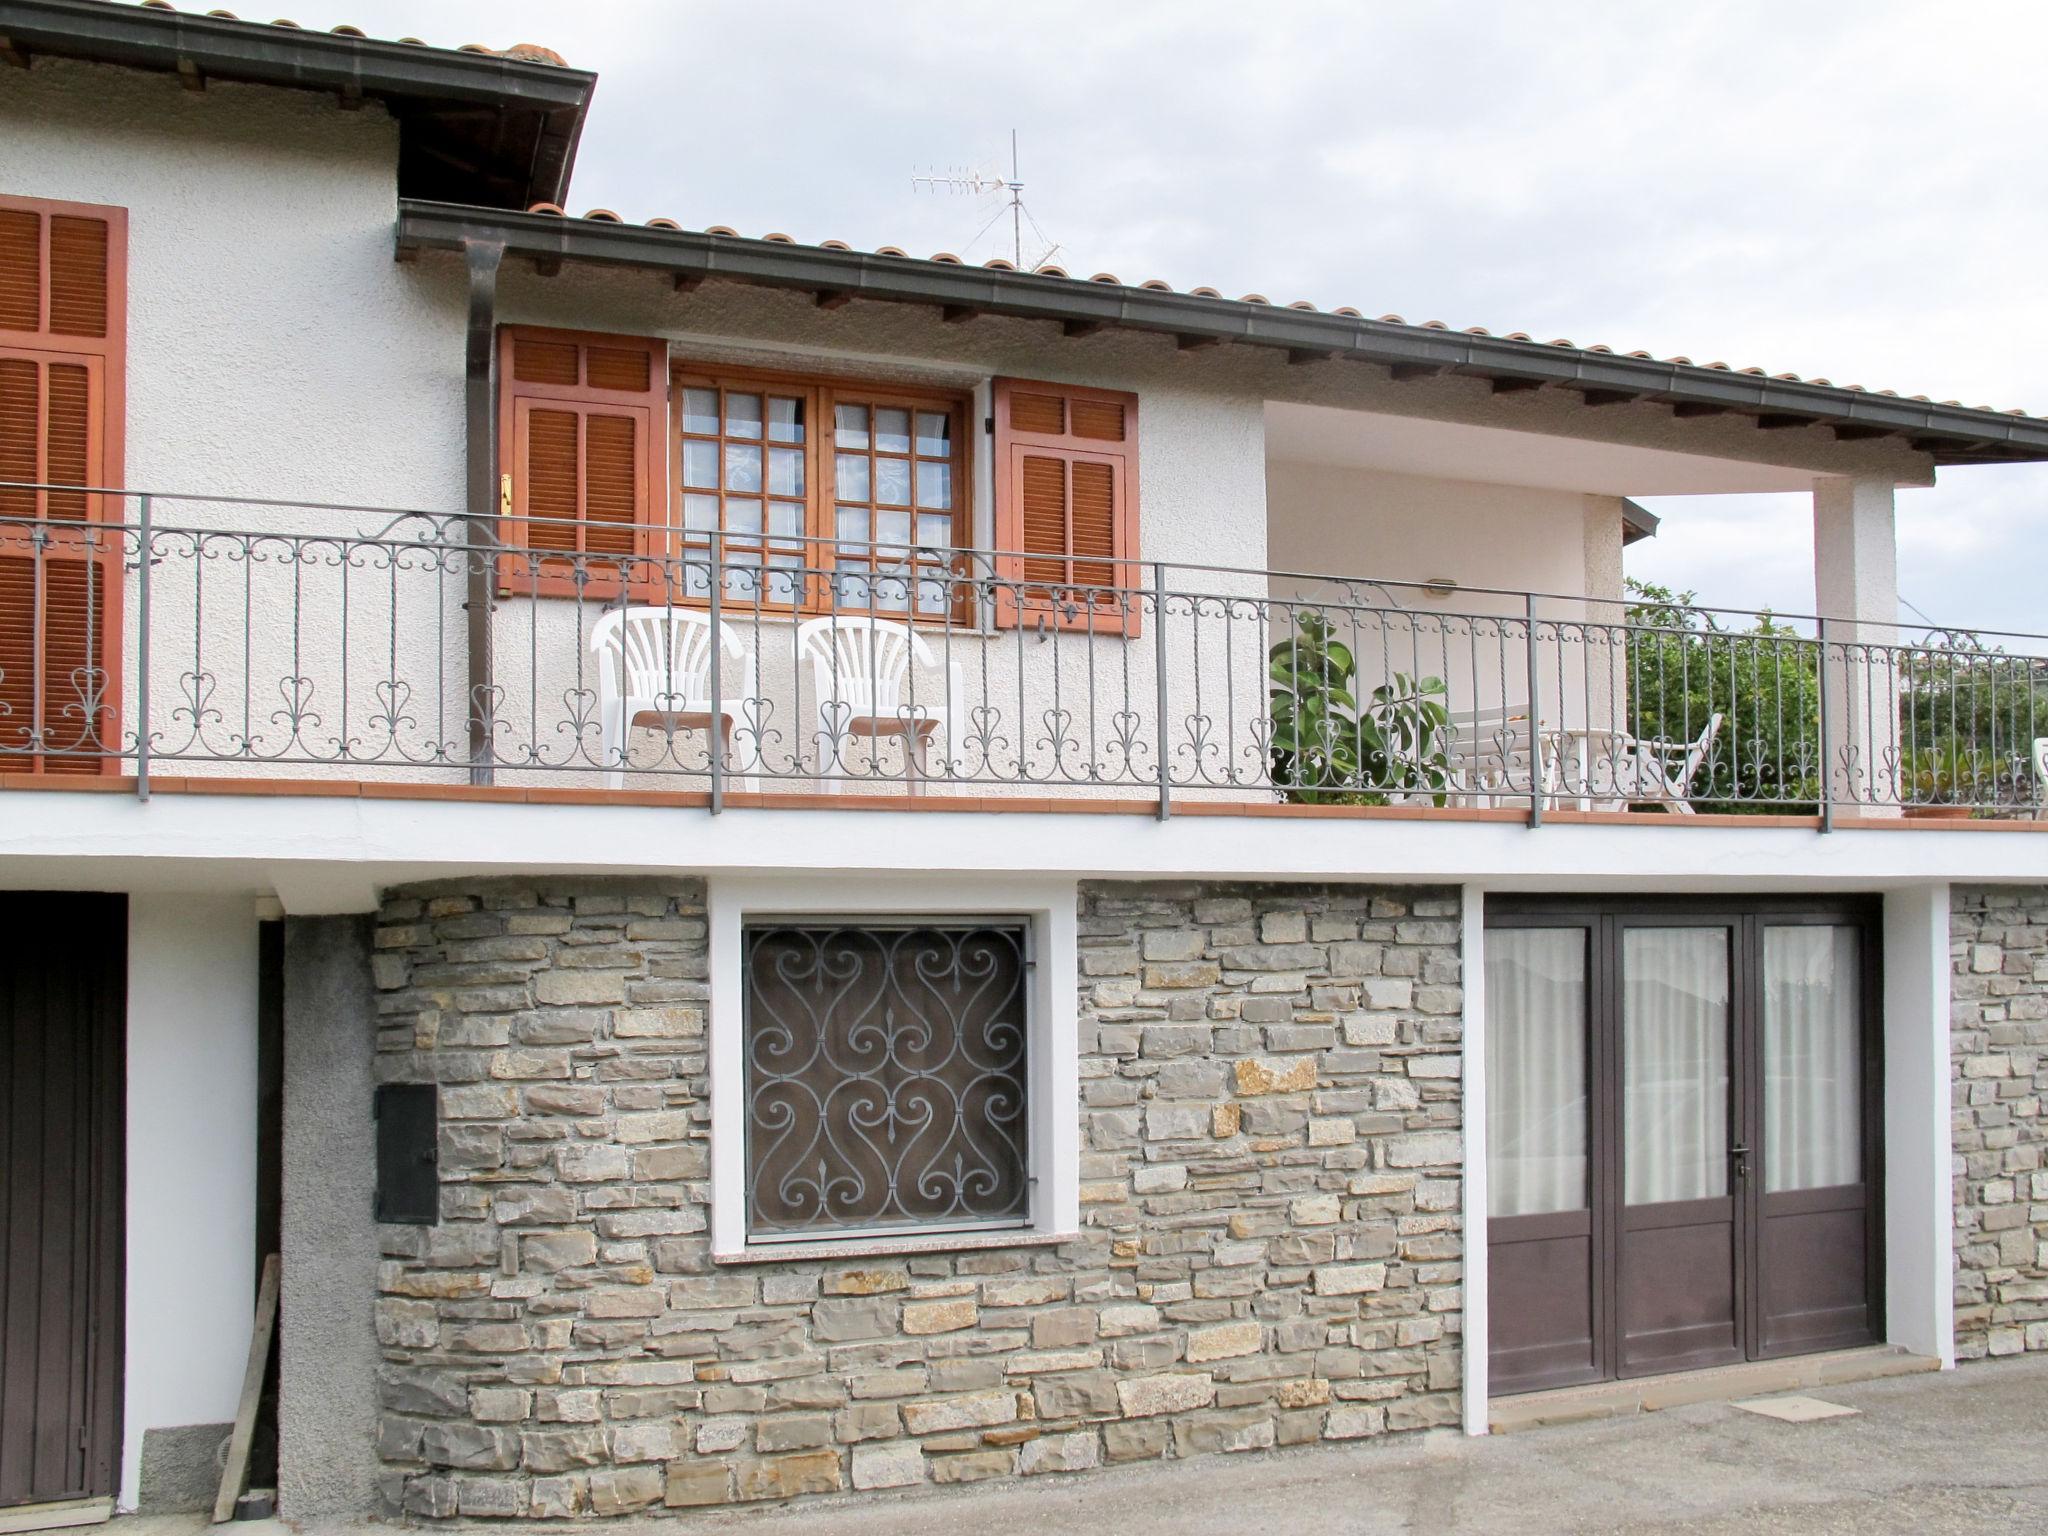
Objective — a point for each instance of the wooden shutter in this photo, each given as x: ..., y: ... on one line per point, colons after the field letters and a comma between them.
x: 582, y: 452
x: 1067, y: 506
x: 63, y: 329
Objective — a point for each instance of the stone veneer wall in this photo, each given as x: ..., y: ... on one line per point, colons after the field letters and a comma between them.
x: 1999, y: 1045
x: 1270, y: 1202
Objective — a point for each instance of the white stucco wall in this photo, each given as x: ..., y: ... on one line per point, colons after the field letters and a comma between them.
x: 1393, y: 532
x: 278, y: 351
x: 191, y: 1163
x: 1409, y: 528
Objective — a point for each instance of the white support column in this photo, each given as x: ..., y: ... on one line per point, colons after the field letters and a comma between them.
x: 1856, y: 585
x: 1606, y: 611
x: 1472, y: 973
x: 1919, y: 1192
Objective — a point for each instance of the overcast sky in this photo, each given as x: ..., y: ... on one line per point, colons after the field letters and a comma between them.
x: 1850, y: 190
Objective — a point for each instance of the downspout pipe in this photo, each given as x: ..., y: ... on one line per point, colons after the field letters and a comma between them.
x: 483, y: 258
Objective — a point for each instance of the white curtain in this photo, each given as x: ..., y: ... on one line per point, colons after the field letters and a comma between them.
x: 1535, y: 1070
x: 1674, y: 1053
x: 1813, y: 1111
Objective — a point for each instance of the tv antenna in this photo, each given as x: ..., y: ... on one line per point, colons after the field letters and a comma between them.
x: 984, y: 183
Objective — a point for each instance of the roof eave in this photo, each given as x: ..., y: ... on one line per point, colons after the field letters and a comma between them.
x: 1950, y: 434
x: 405, y: 75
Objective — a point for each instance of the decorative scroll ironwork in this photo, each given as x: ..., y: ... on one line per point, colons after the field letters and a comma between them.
x: 885, y: 1076
x: 292, y: 639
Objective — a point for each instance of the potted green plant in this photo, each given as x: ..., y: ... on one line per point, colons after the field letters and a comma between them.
x: 1328, y: 750
x: 1943, y: 782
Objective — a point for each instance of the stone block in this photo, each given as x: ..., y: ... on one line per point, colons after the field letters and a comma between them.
x: 560, y: 1450
x: 1224, y: 1341
x: 840, y: 1320
x: 621, y: 1490
x: 695, y: 1484
x: 948, y: 1316
x: 887, y: 1466
x: 1275, y: 1074
x: 976, y: 1410
x: 1075, y: 1452
x: 1349, y: 1279
x: 1075, y: 1394
x: 1354, y: 1421
x: 1144, y: 1396
x: 470, y: 1447
x: 786, y: 1477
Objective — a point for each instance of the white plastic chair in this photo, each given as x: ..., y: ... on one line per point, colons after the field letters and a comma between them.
x: 654, y: 668
x: 2041, y: 778
x: 860, y: 677
x: 1607, y: 770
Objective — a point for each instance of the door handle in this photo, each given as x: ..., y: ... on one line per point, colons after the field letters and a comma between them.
x: 1741, y: 1156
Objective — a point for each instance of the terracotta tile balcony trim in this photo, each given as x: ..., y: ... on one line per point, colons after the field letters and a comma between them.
x: 939, y: 801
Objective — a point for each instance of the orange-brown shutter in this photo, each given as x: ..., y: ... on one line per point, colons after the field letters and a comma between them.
x: 1066, y: 503
x: 63, y: 328
x: 581, y: 428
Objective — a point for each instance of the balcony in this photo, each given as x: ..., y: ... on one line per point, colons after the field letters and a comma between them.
x: 317, y: 647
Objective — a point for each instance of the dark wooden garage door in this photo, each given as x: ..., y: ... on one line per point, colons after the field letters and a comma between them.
x: 1683, y: 1115
x: 62, y: 1007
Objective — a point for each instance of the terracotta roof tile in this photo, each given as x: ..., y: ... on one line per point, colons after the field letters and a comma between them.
x: 1156, y: 285
x: 528, y: 53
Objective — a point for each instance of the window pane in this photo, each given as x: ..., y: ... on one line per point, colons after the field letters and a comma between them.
x: 892, y: 527
x: 935, y: 485
x: 892, y: 429
x: 783, y: 582
x: 700, y: 463
x: 935, y: 532
x: 700, y: 411
x: 742, y: 415
x: 1813, y: 1058
x: 785, y: 517
x: 1674, y: 1048
x: 853, y: 523
x: 786, y: 471
x: 851, y: 426
x: 892, y: 589
x: 742, y: 516
x: 935, y: 434
x: 785, y: 419
x: 1535, y: 1071
x: 742, y: 576
x: 852, y: 475
x: 892, y: 481
x: 742, y: 467
x: 700, y: 512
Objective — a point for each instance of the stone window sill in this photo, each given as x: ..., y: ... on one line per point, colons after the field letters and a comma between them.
x: 877, y: 1247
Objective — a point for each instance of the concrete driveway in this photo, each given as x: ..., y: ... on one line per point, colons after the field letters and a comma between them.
x: 1965, y: 1451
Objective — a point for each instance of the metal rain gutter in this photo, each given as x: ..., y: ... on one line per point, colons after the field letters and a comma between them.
x: 1967, y: 435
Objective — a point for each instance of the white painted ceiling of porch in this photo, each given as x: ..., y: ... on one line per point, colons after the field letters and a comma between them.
x: 1411, y: 445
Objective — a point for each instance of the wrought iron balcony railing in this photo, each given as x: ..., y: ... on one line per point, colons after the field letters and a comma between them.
x: 212, y: 636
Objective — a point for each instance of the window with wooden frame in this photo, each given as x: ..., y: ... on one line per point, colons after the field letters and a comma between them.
x: 828, y: 494
x: 63, y: 335
x: 580, y: 425
x: 1066, y: 504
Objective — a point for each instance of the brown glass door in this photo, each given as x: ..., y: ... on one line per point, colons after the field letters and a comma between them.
x: 1679, y: 1168
x: 62, y: 987
x: 1545, y: 1192
x: 1682, y: 1152
x: 1819, y: 1226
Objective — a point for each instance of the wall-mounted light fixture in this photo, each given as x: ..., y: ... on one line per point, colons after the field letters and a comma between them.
x: 1438, y: 587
